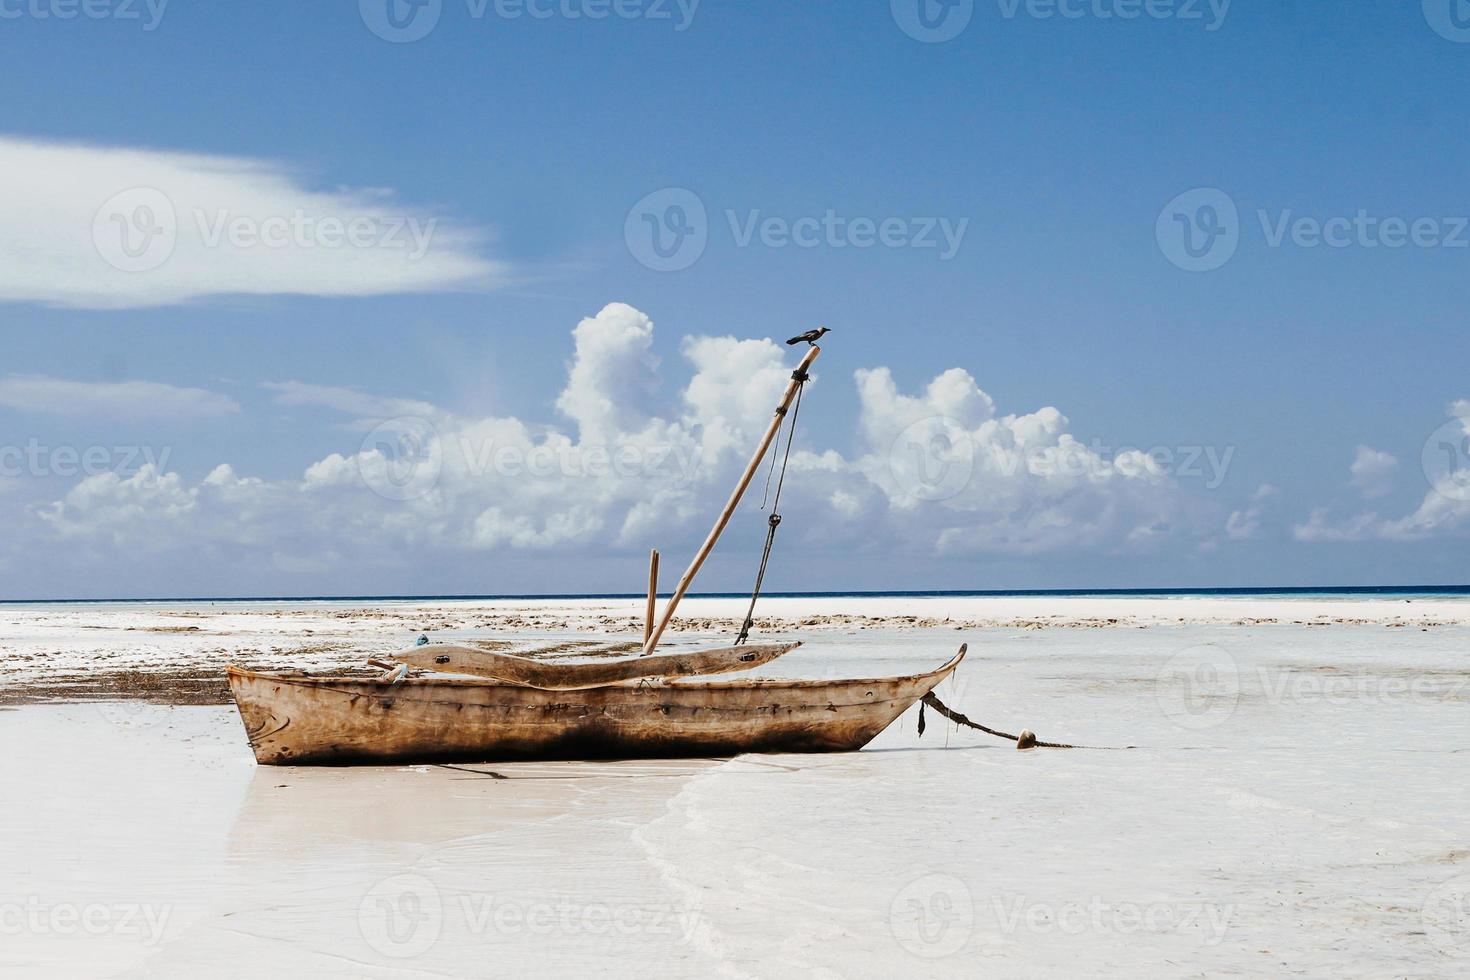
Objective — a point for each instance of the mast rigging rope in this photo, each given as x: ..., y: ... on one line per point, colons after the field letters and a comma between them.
x: 774, y: 521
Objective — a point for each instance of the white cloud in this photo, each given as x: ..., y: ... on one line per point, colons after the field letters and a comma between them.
x: 1321, y: 526
x: 104, y: 228
x: 1245, y: 523
x: 613, y: 376
x: 111, y: 399
x: 953, y: 473
x: 1372, y: 472
x: 954, y: 395
x: 936, y: 472
x: 735, y: 387
x: 1445, y: 509
x: 348, y: 400
x: 124, y: 508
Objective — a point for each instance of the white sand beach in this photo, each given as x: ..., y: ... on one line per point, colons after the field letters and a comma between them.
x: 67, y: 644
x: 1294, y: 804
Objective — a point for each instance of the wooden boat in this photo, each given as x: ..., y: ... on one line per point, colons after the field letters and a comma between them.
x: 525, y: 672
x: 514, y: 708
x: 301, y: 720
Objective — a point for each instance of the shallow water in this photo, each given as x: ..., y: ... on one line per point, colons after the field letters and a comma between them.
x: 1296, y: 806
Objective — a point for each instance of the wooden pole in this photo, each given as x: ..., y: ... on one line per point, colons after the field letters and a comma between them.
x: 745, y: 478
x: 652, y: 594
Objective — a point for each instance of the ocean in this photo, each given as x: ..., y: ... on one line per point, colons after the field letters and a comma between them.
x: 1244, y: 592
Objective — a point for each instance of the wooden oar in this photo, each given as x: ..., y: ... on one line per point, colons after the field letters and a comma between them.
x: 522, y: 672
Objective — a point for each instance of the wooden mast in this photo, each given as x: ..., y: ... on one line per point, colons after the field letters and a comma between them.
x: 652, y: 594
x: 714, y: 535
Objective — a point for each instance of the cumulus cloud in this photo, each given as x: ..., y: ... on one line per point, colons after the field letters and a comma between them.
x: 935, y: 471
x: 736, y: 383
x: 1245, y: 523
x: 111, y: 399
x: 953, y: 395
x: 101, y: 227
x: 613, y: 376
x: 154, y: 512
x: 1373, y: 471
x: 1445, y: 508
x: 952, y: 472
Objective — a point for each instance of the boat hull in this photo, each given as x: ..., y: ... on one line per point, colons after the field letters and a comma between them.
x: 294, y: 720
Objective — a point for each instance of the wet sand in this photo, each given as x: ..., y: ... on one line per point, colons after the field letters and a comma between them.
x: 1295, y: 805
x: 176, y: 653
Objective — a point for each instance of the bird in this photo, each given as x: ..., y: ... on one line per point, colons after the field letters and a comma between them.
x: 811, y: 337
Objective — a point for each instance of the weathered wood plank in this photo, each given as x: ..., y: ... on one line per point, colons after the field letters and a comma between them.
x: 523, y: 672
x: 297, y: 720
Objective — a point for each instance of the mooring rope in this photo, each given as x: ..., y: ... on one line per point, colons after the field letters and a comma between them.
x: 774, y: 521
x: 932, y: 701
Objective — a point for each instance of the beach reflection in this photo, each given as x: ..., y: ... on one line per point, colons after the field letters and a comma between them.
x: 293, y: 807
x: 446, y: 869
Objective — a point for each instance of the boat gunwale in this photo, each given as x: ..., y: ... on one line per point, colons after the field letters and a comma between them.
x: 679, y: 683
x: 559, y: 675
x: 573, y: 661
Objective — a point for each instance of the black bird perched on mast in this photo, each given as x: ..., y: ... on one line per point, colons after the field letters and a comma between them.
x: 811, y: 337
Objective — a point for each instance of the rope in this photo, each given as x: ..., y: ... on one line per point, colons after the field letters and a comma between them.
x: 774, y: 521
x: 959, y: 719
x: 767, y: 493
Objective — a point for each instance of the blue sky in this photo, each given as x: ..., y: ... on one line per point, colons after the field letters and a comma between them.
x: 1054, y: 142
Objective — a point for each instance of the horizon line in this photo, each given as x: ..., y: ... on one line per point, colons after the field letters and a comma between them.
x: 826, y: 594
